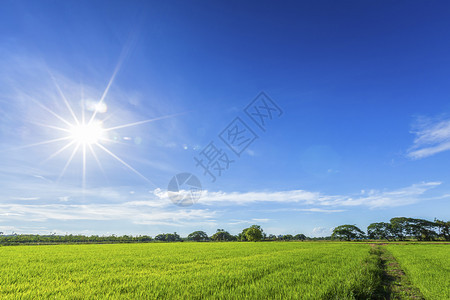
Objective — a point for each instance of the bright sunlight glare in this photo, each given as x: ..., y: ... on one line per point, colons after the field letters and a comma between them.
x: 87, y: 134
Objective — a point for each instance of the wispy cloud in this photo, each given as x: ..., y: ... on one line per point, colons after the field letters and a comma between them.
x: 373, y: 199
x: 432, y: 137
x: 105, y: 212
x: 251, y: 221
x: 321, y: 210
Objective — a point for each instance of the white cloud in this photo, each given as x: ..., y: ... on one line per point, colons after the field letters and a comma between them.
x: 315, y: 209
x: 104, y: 212
x: 261, y: 220
x: 371, y: 199
x: 431, y: 138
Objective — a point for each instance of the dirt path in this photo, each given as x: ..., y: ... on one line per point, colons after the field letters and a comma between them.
x: 396, y: 284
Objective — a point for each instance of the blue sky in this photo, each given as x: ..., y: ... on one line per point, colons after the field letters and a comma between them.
x: 364, y: 135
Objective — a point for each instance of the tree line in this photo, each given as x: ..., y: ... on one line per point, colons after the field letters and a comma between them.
x: 252, y: 233
x: 399, y: 229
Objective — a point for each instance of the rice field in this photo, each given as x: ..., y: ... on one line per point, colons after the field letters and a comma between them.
x: 276, y: 270
x: 188, y: 270
x: 427, y: 267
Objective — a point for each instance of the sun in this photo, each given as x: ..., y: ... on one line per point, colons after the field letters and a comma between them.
x: 87, y: 134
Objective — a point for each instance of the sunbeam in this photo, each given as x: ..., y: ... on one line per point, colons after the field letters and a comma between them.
x: 64, y: 99
x: 111, y: 80
x: 143, y: 122
x: 51, y: 126
x: 68, y: 162
x: 43, y: 143
x: 125, y: 164
x: 83, y: 182
x: 58, y: 152
x: 51, y: 112
x: 96, y: 159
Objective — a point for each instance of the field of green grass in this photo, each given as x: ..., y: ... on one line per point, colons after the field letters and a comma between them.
x: 277, y: 270
x: 188, y: 270
x: 427, y: 267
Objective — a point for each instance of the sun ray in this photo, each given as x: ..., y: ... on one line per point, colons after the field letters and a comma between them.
x: 108, y: 86
x: 58, y: 152
x: 51, y: 126
x: 51, y: 111
x: 106, y: 118
x: 64, y: 99
x: 96, y: 159
x: 142, y: 122
x: 68, y: 162
x: 43, y: 143
x: 113, y: 141
x: 124, y: 163
x: 83, y: 182
x: 82, y: 105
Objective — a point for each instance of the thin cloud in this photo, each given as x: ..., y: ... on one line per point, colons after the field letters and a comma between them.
x: 321, y: 210
x: 431, y: 138
x: 375, y: 199
x: 105, y: 212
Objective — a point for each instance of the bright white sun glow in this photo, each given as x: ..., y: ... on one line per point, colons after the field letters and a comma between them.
x: 87, y: 134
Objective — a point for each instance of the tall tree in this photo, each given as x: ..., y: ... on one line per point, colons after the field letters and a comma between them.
x: 198, y: 236
x: 287, y: 237
x: 399, y: 227
x: 300, y: 237
x: 160, y: 237
x: 379, y: 230
x: 443, y: 228
x: 422, y: 230
x: 253, y: 233
x: 347, y: 232
x: 222, y: 235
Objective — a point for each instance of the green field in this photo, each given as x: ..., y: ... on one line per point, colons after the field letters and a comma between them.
x: 427, y: 267
x: 277, y: 270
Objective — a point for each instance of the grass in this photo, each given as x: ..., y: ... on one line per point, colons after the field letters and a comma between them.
x: 294, y: 270
x: 427, y: 267
x: 395, y: 284
x: 190, y: 270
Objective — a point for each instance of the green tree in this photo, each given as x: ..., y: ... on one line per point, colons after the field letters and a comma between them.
x: 443, y: 228
x: 272, y: 237
x: 198, y: 236
x: 399, y: 227
x: 287, y: 237
x: 379, y: 231
x: 253, y: 233
x: 300, y: 237
x: 347, y: 232
x: 160, y: 237
x: 222, y: 235
x: 168, y: 237
x: 422, y: 230
x: 172, y: 237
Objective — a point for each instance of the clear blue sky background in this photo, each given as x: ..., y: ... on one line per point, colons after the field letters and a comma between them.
x: 364, y: 137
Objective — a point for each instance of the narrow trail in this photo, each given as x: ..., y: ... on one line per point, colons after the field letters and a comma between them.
x: 395, y: 283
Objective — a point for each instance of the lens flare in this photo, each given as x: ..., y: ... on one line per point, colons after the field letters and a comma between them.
x: 87, y: 134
